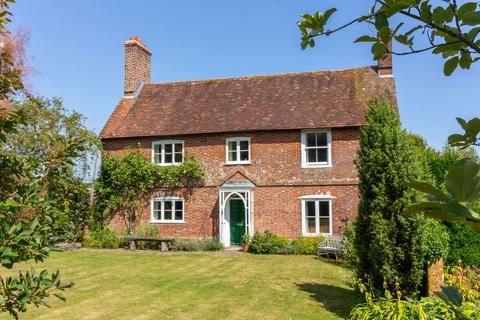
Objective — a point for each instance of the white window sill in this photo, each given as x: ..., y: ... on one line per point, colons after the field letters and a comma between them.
x: 237, y: 163
x: 167, y: 222
x: 316, y: 165
x: 167, y: 164
x: 316, y: 234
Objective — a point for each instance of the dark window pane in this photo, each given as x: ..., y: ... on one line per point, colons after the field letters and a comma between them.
x: 168, y: 148
x: 167, y: 205
x: 311, y: 155
x: 178, y: 205
x: 158, y: 148
x: 232, y: 156
x: 244, y: 156
x: 322, y: 139
x: 310, y: 210
x: 168, y: 158
x: 324, y: 208
x: 324, y: 225
x: 244, y: 145
x: 310, y: 139
x: 178, y: 147
x: 322, y: 155
x: 178, y: 157
x: 167, y: 214
x: 178, y: 215
x: 156, y: 158
x: 311, y: 225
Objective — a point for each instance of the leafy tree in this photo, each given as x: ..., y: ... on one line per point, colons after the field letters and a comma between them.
x: 390, y: 245
x: 124, y: 182
x: 448, y: 28
x: 25, y: 221
x: 49, y: 132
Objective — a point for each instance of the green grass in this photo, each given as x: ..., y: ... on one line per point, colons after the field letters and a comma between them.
x: 148, y: 285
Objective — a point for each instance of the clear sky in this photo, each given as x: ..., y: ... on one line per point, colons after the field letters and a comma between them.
x: 76, y: 47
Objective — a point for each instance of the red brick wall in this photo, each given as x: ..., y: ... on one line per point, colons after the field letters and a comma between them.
x: 277, y: 209
x: 275, y: 170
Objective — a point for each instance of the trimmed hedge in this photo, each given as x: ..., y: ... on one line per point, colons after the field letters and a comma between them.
x: 464, y: 245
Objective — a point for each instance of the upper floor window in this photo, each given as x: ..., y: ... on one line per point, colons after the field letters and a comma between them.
x: 167, y: 152
x: 167, y: 210
x: 316, y: 148
x: 238, y: 150
x: 316, y: 216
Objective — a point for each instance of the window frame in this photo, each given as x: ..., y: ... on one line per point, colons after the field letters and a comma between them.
x: 328, y: 163
x: 238, y: 140
x: 317, y: 200
x: 162, y: 210
x: 162, y: 143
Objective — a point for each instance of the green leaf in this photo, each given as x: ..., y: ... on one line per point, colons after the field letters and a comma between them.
x: 465, y: 60
x: 450, y: 66
x: 471, y: 18
x: 385, y: 35
x: 465, y: 8
x: 451, y: 295
x: 454, y: 138
x: 428, y: 189
x: 366, y: 39
x: 463, y: 181
x: 379, y: 50
x: 438, y: 15
x: 328, y: 13
x: 381, y: 21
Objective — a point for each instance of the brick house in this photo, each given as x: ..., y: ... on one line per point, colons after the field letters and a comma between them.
x: 278, y: 151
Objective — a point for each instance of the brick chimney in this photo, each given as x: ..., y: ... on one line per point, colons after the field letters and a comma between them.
x: 385, y: 66
x: 137, y: 65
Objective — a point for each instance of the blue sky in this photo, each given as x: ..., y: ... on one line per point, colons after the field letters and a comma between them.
x: 76, y: 47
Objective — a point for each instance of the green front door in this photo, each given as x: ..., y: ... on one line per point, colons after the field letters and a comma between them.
x: 237, y: 220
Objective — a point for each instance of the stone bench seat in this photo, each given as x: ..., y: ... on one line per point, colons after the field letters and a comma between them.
x: 163, y: 241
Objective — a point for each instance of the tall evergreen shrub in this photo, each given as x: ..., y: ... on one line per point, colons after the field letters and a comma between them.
x: 389, y: 245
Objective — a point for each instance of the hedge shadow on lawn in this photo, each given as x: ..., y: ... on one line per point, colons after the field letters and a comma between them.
x: 334, y: 299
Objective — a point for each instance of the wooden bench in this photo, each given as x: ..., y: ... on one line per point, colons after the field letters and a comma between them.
x: 335, y: 245
x: 163, y: 241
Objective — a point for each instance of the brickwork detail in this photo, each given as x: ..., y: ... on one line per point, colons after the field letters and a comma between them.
x: 435, y: 277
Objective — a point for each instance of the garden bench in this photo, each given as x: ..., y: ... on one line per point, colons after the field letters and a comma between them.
x: 163, y: 241
x: 334, y: 245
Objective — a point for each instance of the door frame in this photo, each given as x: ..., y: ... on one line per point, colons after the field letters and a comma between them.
x: 245, y: 193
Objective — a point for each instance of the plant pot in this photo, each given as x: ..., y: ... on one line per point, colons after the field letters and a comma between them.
x: 245, y: 247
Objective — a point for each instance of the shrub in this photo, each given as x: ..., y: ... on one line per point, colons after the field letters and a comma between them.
x: 307, y: 245
x: 266, y: 242
x: 464, y: 245
x: 288, y: 248
x: 212, y: 245
x: 388, y: 243
x: 101, y: 238
x: 436, y: 239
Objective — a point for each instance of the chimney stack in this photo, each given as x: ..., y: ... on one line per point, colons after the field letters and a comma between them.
x: 137, y: 65
x: 385, y: 66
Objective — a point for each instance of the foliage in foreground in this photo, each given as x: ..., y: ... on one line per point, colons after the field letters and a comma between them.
x: 447, y: 28
x: 390, y: 246
x: 124, y: 182
x: 389, y: 307
x: 25, y: 232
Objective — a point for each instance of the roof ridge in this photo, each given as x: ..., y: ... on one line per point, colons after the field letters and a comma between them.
x: 261, y: 76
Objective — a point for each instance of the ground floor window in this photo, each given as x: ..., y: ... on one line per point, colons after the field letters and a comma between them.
x: 317, y: 216
x: 167, y: 210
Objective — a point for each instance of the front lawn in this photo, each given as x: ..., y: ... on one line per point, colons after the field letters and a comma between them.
x: 149, y: 285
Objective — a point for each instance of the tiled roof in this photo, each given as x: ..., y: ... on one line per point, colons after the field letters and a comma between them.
x: 286, y: 101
